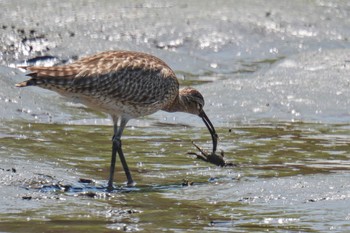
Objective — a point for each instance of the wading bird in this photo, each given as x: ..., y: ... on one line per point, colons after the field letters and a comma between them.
x: 125, y: 85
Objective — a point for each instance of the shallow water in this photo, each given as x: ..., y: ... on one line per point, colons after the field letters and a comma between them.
x: 289, y: 177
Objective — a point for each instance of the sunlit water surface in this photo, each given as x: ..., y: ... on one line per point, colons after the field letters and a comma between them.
x: 289, y: 176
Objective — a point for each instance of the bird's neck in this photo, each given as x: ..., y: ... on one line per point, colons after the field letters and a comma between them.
x: 177, y: 105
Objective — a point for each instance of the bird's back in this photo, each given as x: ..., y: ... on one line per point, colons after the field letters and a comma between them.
x: 116, y: 82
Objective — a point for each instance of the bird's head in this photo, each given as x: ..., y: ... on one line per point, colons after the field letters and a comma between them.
x: 192, y: 101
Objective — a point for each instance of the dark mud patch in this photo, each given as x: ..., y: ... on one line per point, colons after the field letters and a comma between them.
x: 13, y: 170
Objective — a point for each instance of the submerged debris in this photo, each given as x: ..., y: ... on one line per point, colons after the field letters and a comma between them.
x: 26, y: 197
x: 124, y: 211
x: 86, y: 181
x: 186, y: 182
x: 88, y: 194
x: 212, y: 157
x: 9, y: 170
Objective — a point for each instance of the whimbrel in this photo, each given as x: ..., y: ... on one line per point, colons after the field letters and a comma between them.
x: 125, y: 85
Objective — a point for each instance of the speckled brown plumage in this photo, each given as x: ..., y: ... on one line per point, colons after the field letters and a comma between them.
x: 109, y: 81
x: 124, y: 84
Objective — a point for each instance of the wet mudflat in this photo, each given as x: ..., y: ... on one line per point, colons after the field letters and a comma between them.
x: 288, y: 177
x: 275, y: 77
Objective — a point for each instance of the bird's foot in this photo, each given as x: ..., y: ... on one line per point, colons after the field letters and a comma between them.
x: 110, y: 188
x: 130, y: 184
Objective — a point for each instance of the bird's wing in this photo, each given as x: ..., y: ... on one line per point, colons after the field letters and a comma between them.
x: 128, y: 76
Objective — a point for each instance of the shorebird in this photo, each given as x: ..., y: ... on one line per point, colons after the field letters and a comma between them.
x: 125, y: 85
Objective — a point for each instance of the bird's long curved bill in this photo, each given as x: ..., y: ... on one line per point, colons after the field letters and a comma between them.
x: 211, y: 129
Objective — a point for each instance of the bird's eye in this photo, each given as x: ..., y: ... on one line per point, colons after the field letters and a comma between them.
x: 199, y: 107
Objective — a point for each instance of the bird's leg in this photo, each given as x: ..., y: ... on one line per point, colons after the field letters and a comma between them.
x: 119, y: 125
x: 125, y: 165
x: 111, y: 172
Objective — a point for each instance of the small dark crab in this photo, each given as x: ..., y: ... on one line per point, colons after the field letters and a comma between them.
x: 211, y: 157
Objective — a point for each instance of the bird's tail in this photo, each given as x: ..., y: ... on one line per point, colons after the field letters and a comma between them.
x: 44, y: 76
x: 30, y: 82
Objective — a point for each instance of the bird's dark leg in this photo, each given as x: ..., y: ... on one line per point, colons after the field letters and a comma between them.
x: 125, y: 165
x: 111, y: 172
x: 119, y: 125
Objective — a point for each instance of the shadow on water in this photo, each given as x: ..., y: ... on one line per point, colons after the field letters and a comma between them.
x: 100, y: 190
x: 289, y: 177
